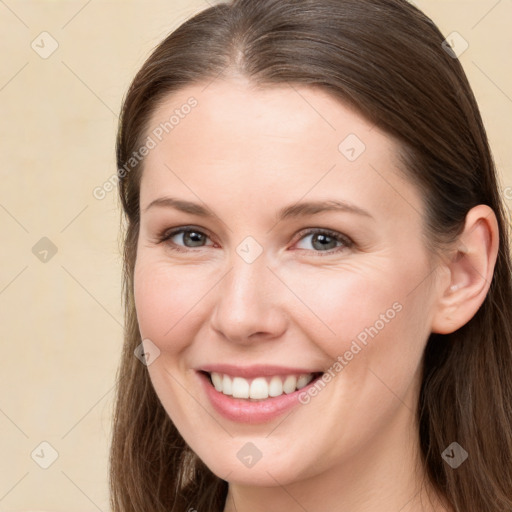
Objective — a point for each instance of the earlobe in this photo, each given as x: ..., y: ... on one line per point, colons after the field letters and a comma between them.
x: 470, y: 268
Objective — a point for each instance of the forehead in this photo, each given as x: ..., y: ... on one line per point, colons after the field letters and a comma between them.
x: 264, y: 117
x: 294, y: 139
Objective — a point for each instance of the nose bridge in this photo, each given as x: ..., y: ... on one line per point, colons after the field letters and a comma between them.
x: 248, y: 296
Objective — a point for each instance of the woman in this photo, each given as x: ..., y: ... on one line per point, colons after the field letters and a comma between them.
x: 317, y: 270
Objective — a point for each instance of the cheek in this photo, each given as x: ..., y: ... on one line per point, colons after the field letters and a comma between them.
x: 338, y: 306
x: 368, y: 319
x: 166, y: 299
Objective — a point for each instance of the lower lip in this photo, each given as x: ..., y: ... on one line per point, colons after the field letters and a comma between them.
x: 246, y: 411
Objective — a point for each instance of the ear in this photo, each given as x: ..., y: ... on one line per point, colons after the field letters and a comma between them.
x: 470, y: 270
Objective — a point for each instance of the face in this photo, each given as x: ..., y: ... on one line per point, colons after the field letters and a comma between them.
x: 288, y: 307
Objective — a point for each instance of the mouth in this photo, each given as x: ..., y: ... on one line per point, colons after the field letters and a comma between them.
x: 255, y: 394
x: 259, y: 388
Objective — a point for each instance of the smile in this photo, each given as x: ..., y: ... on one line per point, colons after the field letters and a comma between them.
x: 255, y: 394
x: 259, y: 388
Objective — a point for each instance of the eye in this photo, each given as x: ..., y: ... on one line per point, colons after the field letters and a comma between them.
x: 322, y: 240
x: 189, y: 236
x: 325, y: 240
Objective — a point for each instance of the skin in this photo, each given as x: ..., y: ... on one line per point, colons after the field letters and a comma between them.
x: 244, y: 153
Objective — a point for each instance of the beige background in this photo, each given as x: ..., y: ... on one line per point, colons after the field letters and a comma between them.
x: 61, y: 321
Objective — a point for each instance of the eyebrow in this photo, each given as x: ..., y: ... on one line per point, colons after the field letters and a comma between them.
x: 294, y: 210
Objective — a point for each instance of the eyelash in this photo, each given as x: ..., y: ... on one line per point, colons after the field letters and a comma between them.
x: 166, y: 235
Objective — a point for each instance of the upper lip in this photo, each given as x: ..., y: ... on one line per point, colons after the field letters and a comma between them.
x: 258, y: 370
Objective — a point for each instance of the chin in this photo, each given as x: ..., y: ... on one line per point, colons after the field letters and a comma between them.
x: 244, y: 464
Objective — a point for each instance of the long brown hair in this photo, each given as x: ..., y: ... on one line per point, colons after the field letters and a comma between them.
x: 386, y: 59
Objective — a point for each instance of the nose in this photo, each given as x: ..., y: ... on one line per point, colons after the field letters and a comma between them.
x: 250, y: 303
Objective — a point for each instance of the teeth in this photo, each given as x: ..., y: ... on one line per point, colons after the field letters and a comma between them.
x: 227, y: 387
x: 276, y: 386
x: 290, y: 384
x: 259, y: 388
x: 240, y: 387
x: 302, y: 381
x: 217, y: 381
